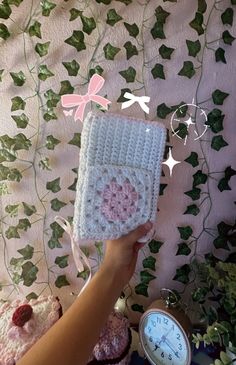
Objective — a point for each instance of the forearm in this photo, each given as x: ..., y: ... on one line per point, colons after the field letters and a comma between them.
x: 72, y: 338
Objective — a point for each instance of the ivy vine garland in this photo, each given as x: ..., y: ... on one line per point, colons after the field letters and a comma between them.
x: 31, y: 150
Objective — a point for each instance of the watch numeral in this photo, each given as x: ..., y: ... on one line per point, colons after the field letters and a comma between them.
x: 169, y: 357
x: 149, y: 329
x: 150, y: 339
x: 162, y: 355
x: 178, y: 336
x: 166, y: 320
x: 158, y: 320
x: 154, y: 324
x: 180, y: 347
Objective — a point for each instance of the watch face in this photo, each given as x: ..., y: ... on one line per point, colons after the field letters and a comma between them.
x: 163, y: 339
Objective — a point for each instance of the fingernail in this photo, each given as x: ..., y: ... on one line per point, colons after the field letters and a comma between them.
x: 148, y: 225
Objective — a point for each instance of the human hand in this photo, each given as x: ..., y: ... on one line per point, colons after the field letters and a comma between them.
x: 121, y: 254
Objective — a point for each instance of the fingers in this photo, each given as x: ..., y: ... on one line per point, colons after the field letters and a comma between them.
x: 137, y: 233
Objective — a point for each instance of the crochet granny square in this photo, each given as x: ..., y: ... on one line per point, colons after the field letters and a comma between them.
x: 119, y: 175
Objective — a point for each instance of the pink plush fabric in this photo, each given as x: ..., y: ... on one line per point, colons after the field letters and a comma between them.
x: 15, y: 341
x: 114, y: 341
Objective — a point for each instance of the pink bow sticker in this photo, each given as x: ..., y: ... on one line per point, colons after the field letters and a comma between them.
x: 71, y: 100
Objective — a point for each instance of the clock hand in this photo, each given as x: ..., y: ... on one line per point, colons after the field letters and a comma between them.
x: 173, y: 350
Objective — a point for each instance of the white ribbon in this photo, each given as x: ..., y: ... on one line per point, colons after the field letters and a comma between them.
x: 133, y: 98
x: 79, y: 256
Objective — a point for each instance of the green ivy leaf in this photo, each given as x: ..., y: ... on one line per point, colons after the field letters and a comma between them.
x: 27, y: 252
x: 219, y: 96
x: 47, y: 7
x: 31, y: 295
x: 12, y: 232
x: 193, y: 47
x: 66, y: 88
x: 17, y: 103
x: 185, y: 232
x: 62, y: 261
x: 83, y: 274
x: 158, y: 71
x: 57, y: 230
x: 21, y: 142
x: 72, y: 67
x: 223, y: 228
x: 76, y: 140
x: 126, y: 2
x: 215, y: 120
x: 192, y: 159
x: 76, y: 40
x: 182, y: 130
x: 199, y: 294
x: 218, y: 142
x: 52, y: 98
x: 129, y: 74
x: 96, y: 70
x: 14, y: 2
x: 110, y: 51
x: 88, y: 24
x: 4, y: 32
x: 137, y: 308
x: 227, y: 16
x: 227, y: 37
x: 183, y: 249
x: 24, y: 224
x: 182, y: 274
x: 113, y: 17
x: 51, y: 142
x: 14, y: 175
x: 199, y: 178
x: 149, y: 263
x: 157, y: 31
x: 181, y: 109
x: 44, y: 164
x: 132, y: 29
x: 221, y: 242
x: 54, y: 185
x: 155, y: 246
x: 57, y: 204
x: 229, y: 172
x: 3, y: 187
x: 29, y: 273
x: 35, y: 30
x: 1, y: 72
x: 5, y: 10
x: 161, y: 15
x: 61, y: 281
x: 163, y: 110
x: 42, y: 48
x: 187, y: 69
x: 146, y: 277
x: 29, y: 209
x: 192, y: 209
x: 21, y: 120
x: 121, y: 98
x: 73, y: 186
x: 197, y: 22
x: 202, y: 6
x: 12, y: 209
x: 5, y: 155
x: 131, y: 50
x: 44, y: 72
x: 220, y: 55
x: 166, y: 52
x: 74, y: 14
x: 223, y: 184
x: 233, y: 2
x: 54, y: 243
x: 141, y: 289
x: 49, y: 115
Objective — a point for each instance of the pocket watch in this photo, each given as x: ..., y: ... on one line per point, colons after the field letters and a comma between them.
x: 164, y: 332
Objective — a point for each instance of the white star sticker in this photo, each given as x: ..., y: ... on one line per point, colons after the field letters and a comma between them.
x: 171, y: 162
x: 189, y: 122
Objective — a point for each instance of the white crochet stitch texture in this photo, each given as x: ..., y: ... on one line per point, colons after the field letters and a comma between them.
x: 121, y: 152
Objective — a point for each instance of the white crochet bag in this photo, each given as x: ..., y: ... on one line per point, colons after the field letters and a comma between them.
x: 119, y: 175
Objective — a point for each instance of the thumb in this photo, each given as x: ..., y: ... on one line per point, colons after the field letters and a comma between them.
x: 137, y: 233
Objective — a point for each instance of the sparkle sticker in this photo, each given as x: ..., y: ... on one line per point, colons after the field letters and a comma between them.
x: 196, y: 117
x: 171, y: 162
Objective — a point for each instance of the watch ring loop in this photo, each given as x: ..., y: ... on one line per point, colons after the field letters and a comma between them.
x: 169, y: 297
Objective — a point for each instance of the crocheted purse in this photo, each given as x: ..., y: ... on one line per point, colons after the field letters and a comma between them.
x: 119, y: 175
